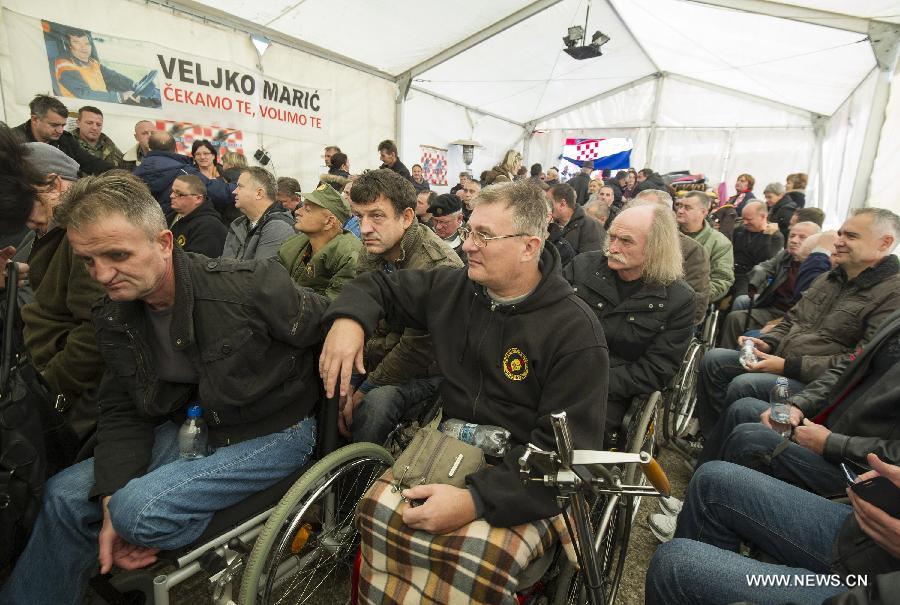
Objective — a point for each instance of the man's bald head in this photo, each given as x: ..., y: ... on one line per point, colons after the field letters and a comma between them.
x: 142, y: 131
x: 162, y: 141
x: 656, y: 195
x: 754, y: 216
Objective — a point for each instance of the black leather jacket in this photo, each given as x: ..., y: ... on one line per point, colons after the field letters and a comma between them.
x: 250, y: 334
x: 647, y: 334
x: 872, y: 423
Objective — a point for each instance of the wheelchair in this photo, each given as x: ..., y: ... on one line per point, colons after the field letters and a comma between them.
x: 607, y: 515
x: 680, y: 397
x: 607, y: 509
x: 280, y: 545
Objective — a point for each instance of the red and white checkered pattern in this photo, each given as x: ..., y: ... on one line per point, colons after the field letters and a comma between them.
x: 185, y: 133
x: 434, y: 164
x: 588, y: 149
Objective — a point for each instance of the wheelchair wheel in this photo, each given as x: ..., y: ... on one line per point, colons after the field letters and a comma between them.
x: 711, y: 328
x: 612, y: 517
x: 309, y: 542
x: 682, y: 399
x: 608, y: 519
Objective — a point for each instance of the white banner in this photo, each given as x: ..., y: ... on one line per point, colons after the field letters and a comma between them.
x: 84, y: 67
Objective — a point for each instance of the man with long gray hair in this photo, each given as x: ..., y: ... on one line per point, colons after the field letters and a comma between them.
x: 176, y: 331
x: 635, y: 288
x: 695, y: 258
x: 509, y: 335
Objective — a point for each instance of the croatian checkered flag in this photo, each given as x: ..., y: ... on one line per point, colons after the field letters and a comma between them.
x: 607, y: 154
x: 434, y: 164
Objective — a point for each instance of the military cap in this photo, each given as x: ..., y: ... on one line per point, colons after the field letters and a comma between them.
x: 326, y: 197
x: 445, y: 204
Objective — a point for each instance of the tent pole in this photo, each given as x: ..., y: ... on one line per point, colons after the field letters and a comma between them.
x: 526, y: 146
x: 729, y: 154
x: 885, y: 41
x: 402, y: 90
x: 820, y: 123
x: 651, y: 140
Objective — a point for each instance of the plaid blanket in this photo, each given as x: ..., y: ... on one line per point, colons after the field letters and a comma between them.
x: 477, y: 563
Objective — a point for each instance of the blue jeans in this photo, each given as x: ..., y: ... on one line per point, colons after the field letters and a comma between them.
x: 740, y: 303
x: 385, y: 407
x: 167, y: 508
x: 741, y: 438
x: 727, y: 505
x: 723, y: 380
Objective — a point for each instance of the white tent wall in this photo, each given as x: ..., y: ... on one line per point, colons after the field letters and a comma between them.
x: 883, y: 192
x: 428, y: 120
x: 733, y: 133
x: 362, y: 109
x: 841, y: 150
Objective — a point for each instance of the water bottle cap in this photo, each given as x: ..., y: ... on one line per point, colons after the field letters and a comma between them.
x: 195, y: 411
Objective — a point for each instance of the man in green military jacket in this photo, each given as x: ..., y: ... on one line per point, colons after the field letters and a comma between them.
x: 322, y: 256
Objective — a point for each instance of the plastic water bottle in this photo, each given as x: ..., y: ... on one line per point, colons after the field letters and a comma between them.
x: 748, y: 353
x: 193, y: 434
x: 494, y: 440
x: 780, y: 411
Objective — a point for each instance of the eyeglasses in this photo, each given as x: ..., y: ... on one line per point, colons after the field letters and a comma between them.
x: 179, y: 194
x: 481, y: 240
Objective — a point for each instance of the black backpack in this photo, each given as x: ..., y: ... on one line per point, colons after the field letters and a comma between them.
x: 35, y: 439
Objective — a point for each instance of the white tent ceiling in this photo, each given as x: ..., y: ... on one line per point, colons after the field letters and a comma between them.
x: 505, y: 56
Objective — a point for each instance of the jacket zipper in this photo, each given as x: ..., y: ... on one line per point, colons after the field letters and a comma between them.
x: 481, y: 366
x: 151, y: 387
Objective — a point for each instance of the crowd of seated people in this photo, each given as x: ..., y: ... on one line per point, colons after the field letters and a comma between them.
x: 172, y: 280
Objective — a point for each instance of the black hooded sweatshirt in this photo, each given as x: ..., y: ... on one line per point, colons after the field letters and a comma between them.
x: 201, y: 231
x: 506, y: 365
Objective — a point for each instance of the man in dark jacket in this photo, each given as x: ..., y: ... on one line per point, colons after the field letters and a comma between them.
x: 446, y: 219
x: 160, y: 167
x: 59, y: 334
x: 695, y: 258
x: 647, y: 179
x: 402, y: 372
x: 840, y: 311
x: 776, y: 285
x: 752, y: 245
x: 387, y: 150
x: 847, y: 554
x: 581, y: 181
x: 47, y: 125
x: 195, y: 225
x: 175, y: 330
x: 645, y: 308
x: 583, y: 233
x: 781, y: 207
x: 509, y: 335
x: 849, y: 412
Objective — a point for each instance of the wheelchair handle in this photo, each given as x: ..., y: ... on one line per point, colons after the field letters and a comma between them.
x: 656, y: 476
x: 563, y: 439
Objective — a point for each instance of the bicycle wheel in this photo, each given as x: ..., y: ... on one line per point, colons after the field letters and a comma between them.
x: 310, y: 540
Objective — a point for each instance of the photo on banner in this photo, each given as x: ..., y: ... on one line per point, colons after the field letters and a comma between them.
x: 84, y: 65
x: 185, y: 133
x: 434, y: 164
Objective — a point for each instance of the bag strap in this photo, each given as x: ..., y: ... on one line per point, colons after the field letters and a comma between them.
x: 9, y: 321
